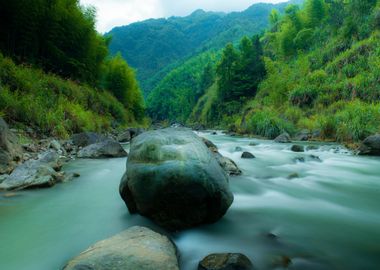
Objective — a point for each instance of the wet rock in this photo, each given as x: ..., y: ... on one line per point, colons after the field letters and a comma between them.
x: 303, y: 135
x: 297, y: 148
x: 54, y: 144
x: 124, y: 137
x: 173, y: 179
x: 87, y: 138
x: 253, y: 144
x: 134, y: 249
x: 299, y: 159
x: 247, y: 155
x: 76, y: 175
x: 283, y: 138
x: 370, y: 146
x: 293, y: 176
x: 226, y: 261
x: 238, y: 149
x: 315, y: 158
x: 228, y: 165
x: 210, y: 145
x: 316, y: 134
x: 105, y: 149
x: 312, y: 147
x: 3, y: 177
x: 10, y: 150
x: 34, y: 173
x: 136, y: 132
x: 214, y: 133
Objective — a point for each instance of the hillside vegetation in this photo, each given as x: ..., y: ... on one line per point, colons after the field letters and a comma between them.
x: 154, y: 47
x: 56, y: 73
x: 322, y: 74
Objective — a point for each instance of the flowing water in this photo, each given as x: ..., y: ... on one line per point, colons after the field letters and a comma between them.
x: 326, y: 218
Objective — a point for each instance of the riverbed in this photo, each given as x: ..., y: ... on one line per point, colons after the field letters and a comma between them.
x: 314, y: 210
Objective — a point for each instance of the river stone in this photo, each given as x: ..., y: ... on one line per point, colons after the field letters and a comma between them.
x: 34, y: 173
x: 228, y: 165
x: 137, y: 248
x: 297, y: 148
x: 87, y: 138
x: 370, y: 146
x: 10, y: 151
x: 283, y: 138
x: 303, y: 135
x: 173, y: 179
x: 210, y: 145
x: 247, y: 155
x: 124, y: 137
x: 105, y: 149
x: 226, y: 261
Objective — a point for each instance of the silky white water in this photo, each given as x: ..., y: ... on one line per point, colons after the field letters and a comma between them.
x: 327, y: 218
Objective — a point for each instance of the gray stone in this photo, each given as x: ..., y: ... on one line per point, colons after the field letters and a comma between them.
x: 105, y: 149
x: 283, y: 138
x: 54, y: 144
x: 34, y: 173
x: 226, y: 261
x: 173, y: 179
x: 303, y: 135
x: 137, y: 248
x: 238, y: 149
x: 370, y: 146
x: 10, y: 151
x: 228, y: 165
x: 87, y: 138
x: 297, y: 148
x: 247, y: 155
x: 210, y: 145
x: 124, y: 137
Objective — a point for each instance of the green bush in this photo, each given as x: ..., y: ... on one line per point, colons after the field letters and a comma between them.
x: 268, y: 124
x: 303, y: 96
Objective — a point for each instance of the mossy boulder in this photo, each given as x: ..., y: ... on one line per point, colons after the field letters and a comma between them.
x: 173, y: 179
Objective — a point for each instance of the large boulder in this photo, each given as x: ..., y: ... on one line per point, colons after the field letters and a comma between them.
x: 86, y: 138
x: 283, y: 138
x: 370, y: 146
x: 226, y: 261
x: 105, y: 149
x: 10, y: 150
x: 136, y: 248
x: 34, y: 173
x: 175, y: 180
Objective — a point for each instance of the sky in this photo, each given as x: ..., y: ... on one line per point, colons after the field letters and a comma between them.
x: 111, y: 13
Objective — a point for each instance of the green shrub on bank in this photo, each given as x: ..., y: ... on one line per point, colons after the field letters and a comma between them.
x: 56, y: 106
x: 268, y: 124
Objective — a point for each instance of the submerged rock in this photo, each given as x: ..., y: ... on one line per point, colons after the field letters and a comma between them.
x: 297, y: 148
x: 173, y: 179
x: 247, y: 155
x: 86, y: 138
x: 105, y: 149
x: 10, y: 151
x: 34, y: 173
x: 226, y: 261
x: 370, y: 146
x: 137, y: 248
x: 293, y: 176
x: 283, y: 138
x: 238, y: 149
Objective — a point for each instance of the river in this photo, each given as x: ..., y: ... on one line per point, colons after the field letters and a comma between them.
x: 326, y: 218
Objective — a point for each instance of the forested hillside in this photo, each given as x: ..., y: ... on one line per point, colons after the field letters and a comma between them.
x: 154, y: 45
x: 322, y: 74
x: 56, y: 73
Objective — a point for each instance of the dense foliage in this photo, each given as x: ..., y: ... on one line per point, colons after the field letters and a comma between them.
x: 53, y: 105
x: 59, y: 37
x: 322, y: 74
x: 154, y: 45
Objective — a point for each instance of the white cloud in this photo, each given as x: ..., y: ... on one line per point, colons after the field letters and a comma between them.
x: 113, y: 13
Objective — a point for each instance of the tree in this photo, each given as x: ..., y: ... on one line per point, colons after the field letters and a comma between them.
x: 315, y: 12
x: 120, y: 80
x: 226, y: 69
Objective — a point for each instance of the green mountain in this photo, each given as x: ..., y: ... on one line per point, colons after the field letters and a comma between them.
x: 322, y: 75
x: 154, y: 47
